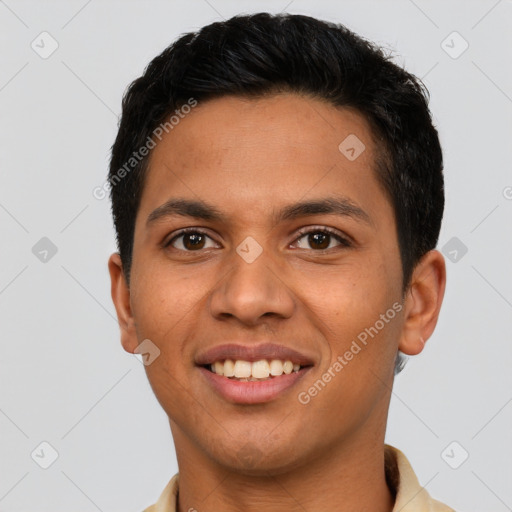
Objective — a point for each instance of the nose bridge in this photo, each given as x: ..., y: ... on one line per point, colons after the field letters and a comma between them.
x: 253, y: 287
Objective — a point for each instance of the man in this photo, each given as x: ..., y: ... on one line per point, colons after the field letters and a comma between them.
x: 277, y: 194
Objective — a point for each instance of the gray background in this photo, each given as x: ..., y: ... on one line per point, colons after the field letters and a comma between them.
x: 64, y: 377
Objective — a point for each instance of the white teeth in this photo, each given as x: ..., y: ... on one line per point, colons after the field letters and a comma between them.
x: 258, y: 370
x: 287, y: 367
x: 242, y: 369
x: 229, y: 368
x: 276, y: 367
x: 218, y: 367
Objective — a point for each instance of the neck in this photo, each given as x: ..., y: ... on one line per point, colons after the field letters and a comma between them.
x: 348, y: 478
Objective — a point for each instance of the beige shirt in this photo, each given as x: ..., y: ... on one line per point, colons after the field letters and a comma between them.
x: 410, y: 496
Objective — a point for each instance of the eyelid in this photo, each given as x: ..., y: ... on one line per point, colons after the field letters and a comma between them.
x: 344, y: 239
x: 167, y: 241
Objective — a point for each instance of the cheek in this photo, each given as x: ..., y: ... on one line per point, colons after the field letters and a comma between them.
x: 164, y: 304
x: 160, y: 299
x: 356, y: 380
x: 352, y: 305
x: 165, y: 309
x: 348, y: 296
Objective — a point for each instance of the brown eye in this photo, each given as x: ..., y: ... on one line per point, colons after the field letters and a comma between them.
x: 190, y: 241
x: 321, y: 239
x: 193, y: 241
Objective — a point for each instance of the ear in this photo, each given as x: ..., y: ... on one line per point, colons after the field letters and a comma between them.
x: 121, y: 297
x: 423, y: 302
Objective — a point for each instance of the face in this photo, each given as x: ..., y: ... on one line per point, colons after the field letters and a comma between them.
x: 291, y: 254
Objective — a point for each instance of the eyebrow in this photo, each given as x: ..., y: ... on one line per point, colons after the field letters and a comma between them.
x: 185, y: 208
x: 341, y: 206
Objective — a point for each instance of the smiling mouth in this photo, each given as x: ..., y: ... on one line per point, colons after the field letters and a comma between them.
x: 246, y: 371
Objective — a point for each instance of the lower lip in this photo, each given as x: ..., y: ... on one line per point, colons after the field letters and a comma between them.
x: 252, y: 392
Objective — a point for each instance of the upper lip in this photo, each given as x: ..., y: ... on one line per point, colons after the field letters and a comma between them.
x: 252, y: 353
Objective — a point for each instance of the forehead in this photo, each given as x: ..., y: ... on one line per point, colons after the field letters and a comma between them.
x: 282, y: 127
x: 264, y: 151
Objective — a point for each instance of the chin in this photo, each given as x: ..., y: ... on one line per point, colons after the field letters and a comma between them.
x: 261, y: 458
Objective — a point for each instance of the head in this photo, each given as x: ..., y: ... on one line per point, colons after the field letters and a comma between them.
x: 226, y: 132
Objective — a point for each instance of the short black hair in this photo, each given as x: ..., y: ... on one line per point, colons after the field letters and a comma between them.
x: 262, y: 54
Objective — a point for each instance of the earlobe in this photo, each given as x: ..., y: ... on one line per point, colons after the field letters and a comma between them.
x: 423, y: 302
x: 120, y: 293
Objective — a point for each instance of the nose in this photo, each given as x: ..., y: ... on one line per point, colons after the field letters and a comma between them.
x: 252, y: 292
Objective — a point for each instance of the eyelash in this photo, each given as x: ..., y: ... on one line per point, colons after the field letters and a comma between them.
x: 344, y: 242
